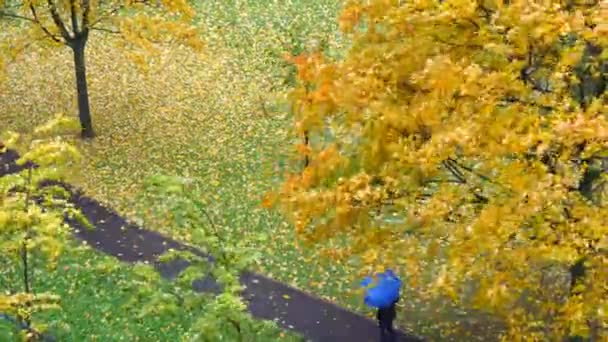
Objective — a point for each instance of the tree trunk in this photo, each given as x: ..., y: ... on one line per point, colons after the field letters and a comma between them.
x: 306, y: 143
x: 84, y: 110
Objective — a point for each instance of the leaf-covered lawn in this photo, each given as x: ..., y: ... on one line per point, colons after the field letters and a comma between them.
x: 216, y: 118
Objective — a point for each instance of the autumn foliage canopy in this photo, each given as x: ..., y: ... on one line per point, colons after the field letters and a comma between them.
x: 472, y: 135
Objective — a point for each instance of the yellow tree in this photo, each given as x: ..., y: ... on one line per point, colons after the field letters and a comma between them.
x: 140, y: 23
x: 472, y: 135
x: 32, y: 220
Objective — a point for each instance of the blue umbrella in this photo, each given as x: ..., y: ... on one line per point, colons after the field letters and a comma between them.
x: 385, y: 291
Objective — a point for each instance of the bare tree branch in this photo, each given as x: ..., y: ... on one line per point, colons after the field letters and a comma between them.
x: 452, y: 167
x: 484, y: 177
x: 513, y: 99
x: 107, y: 15
x: 32, y: 20
x: 454, y: 171
x: 15, y: 16
x: 42, y: 27
x: 103, y: 29
x: 58, y: 22
x: 74, y: 16
x: 86, y: 11
x: 479, y: 175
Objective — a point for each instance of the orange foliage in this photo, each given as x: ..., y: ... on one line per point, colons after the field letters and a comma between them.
x: 468, y: 134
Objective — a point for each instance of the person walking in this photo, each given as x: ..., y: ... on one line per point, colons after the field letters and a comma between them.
x: 383, y: 295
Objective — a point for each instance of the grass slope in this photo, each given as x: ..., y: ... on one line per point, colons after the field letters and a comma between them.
x: 104, y: 300
x: 215, y: 117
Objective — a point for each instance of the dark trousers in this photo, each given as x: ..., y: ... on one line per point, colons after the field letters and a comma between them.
x: 387, y: 334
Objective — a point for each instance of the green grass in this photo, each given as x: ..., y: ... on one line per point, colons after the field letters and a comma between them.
x: 102, y: 300
x: 220, y: 119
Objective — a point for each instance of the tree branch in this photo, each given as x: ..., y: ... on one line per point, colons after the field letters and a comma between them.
x: 484, y: 177
x: 32, y: 20
x: 74, y: 16
x: 42, y: 27
x: 531, y: 67
x: 456, y: 45
x: 473, y: 22
x: 454, y: 171
x: 24, y: 252
x: 201, y: 206
x: 237, y: 326
x: 103, y: 29
x: 113, y: 11
x: 86, y: 12
x: 441, y: 181
x: 512, y: 99
x: 103, y: 17
x: 15, y: 16
x: 452, y: 167
x: 58, y: 22
x: 487, y: 13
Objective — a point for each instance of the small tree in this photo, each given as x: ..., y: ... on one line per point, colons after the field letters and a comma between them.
x: 31, y: 220
x: 70, y: 23
x: 471, y: 135
x: 230, y: 253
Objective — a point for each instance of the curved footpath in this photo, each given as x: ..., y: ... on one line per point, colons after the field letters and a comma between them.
x: 312, y: 317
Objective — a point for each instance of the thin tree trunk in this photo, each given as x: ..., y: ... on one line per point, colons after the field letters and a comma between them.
x: 84, y: 110
x: 24, y: 257
x: 306, y: 142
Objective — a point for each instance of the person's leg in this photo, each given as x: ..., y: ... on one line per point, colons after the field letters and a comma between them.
x: 384, y: 336
x: 390, y: 332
